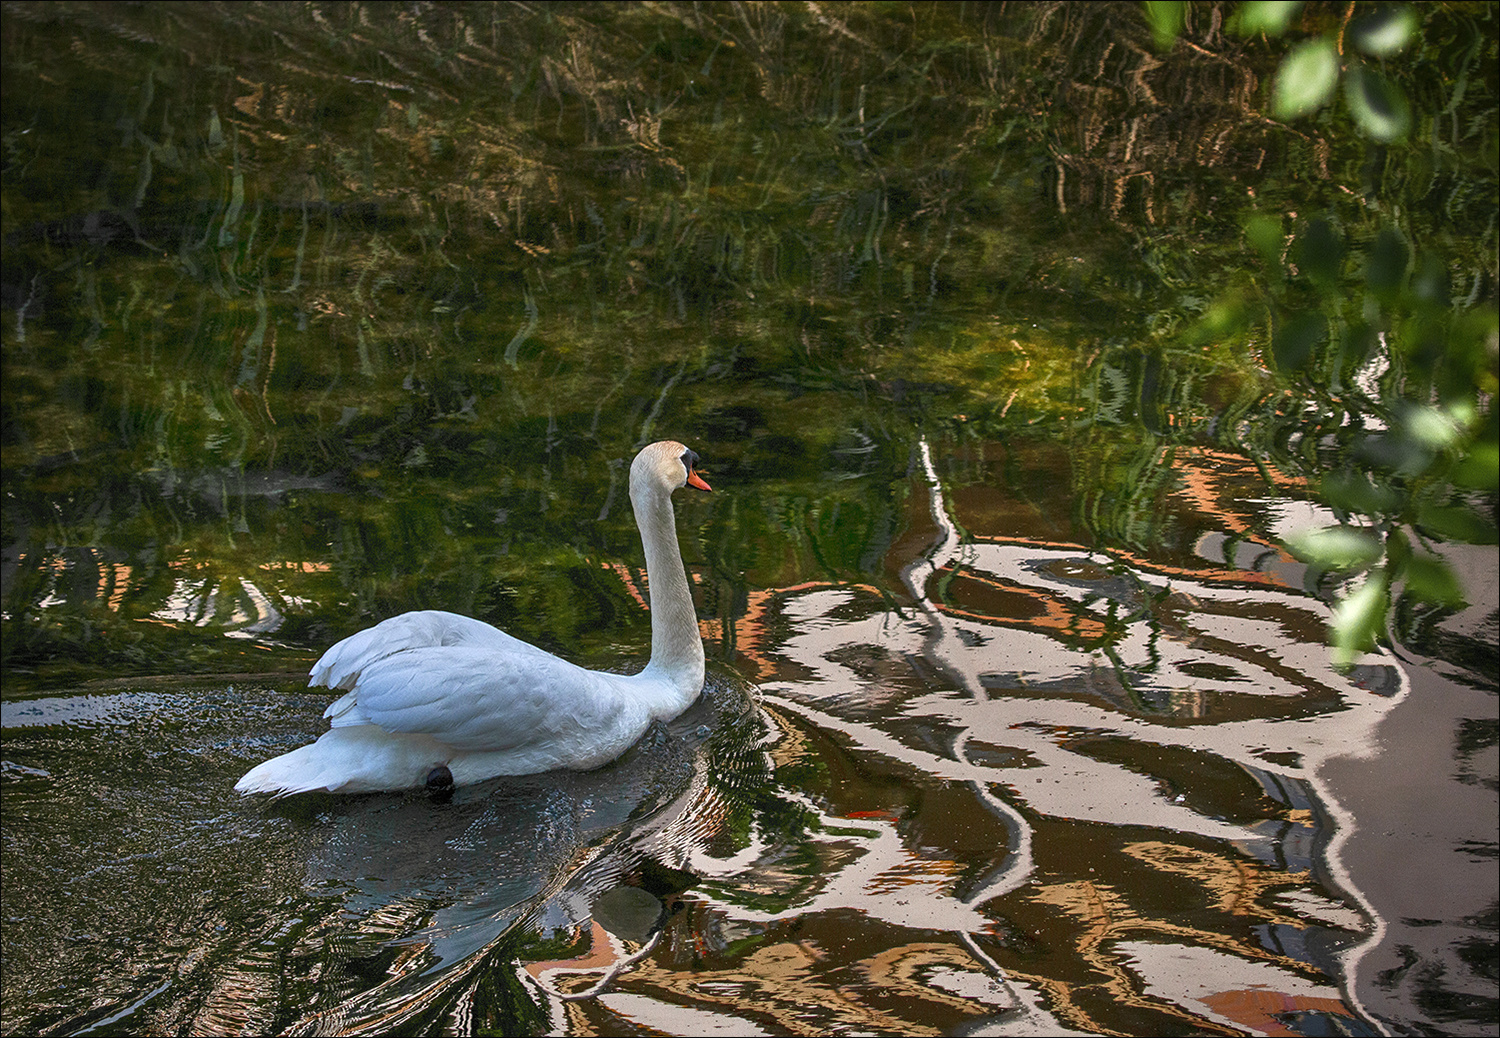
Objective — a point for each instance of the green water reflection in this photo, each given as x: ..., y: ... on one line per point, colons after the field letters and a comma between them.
x: 314, y: 314
x: 413, y: 286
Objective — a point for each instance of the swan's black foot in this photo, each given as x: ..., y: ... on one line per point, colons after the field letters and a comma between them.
x: 440, y: 779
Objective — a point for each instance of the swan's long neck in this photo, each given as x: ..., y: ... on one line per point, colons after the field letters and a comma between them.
x: 676, y: 645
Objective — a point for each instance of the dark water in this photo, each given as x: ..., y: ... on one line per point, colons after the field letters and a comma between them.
x: 1020, y: 717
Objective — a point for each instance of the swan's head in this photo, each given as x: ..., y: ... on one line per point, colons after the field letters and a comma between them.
x: 667, y: 465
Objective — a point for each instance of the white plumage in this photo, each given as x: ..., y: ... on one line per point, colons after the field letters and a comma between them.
x: 430, y: 690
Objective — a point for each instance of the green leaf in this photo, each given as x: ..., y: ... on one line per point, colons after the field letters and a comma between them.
x: 1306, y: 80
x: 1394, y: 451
x: 1432, y: 427
x: 1355, y: 491
x: 1336, y: 547
x: 1429, y: 282
x: 1381, y: 34
x: 1430, y: 577
x: 1379, y: 107
x: 1264, y: 234
x: 1319, y: 252
x: 1166, y: 18
x: 1456, y: 523
x: 1360, y: 618
x: 1356, y: 344
x: 1294, y: 339
x: 1272, y: 17
x: 1480, y: 468
x: 1397, y: 550
x: 1386, y: 268
x: 1224, y: 318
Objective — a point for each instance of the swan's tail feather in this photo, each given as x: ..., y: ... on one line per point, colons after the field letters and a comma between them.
x: 348, y: 760
x: 295, y: 772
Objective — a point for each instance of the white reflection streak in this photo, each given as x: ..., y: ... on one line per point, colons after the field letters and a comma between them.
x: 266, y: 619
x: 190, y: 602
x: 962, y: 913
x: 1020, y: 864
x: 880, y: 882
x: 1349, y: 733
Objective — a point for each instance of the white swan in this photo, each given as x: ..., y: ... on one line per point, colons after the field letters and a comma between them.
x: 438, y: 699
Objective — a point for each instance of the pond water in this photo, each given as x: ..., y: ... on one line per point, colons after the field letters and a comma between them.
x: 1021, y: 717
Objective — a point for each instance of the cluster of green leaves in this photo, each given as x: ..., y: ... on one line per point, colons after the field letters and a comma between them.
x: 1364, y: 324
x: 1312, y: 70
x: 1421, y: 468
x: 1311, y: 73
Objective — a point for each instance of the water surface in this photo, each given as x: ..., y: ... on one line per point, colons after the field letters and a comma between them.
x: 1020, y: 715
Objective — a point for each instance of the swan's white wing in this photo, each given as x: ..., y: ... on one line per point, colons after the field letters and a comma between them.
x: 341, y: 665
x: 476, y: 700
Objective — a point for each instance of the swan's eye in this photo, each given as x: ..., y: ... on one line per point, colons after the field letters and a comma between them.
x: 690, y: 459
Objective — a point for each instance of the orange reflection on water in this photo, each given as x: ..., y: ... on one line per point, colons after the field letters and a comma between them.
x: 601, y: 954
x: 299, y: 567
x: 1239, y: 885
x: 807, y: 987
x: 976, y: 596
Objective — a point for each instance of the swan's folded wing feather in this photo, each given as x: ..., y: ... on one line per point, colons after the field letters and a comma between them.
x: 475, y: 700
x: 342, y: 664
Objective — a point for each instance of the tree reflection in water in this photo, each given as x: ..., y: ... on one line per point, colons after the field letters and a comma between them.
x: 1018, y: 342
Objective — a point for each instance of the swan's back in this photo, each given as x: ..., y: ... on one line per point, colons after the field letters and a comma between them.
x: 475, y: 700
x: 342, y: 664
